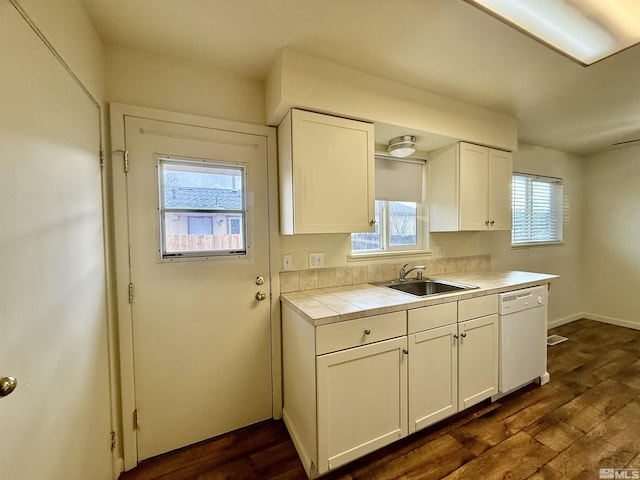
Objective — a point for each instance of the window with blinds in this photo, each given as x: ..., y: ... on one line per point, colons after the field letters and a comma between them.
x: 537, y: 209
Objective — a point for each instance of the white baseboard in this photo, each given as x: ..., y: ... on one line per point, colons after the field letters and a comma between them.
x: 565, y: 320
x: 592, y: 316
x: 612, y: 321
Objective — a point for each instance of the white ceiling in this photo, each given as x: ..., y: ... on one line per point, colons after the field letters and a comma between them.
x: 444, y: 46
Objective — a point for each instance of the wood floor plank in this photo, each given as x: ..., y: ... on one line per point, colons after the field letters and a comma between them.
x: 547, y: 473
x: 518, y: 457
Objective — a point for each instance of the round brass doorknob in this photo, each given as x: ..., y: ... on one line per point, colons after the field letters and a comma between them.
x: 7, y: 385
x: 261, y: 296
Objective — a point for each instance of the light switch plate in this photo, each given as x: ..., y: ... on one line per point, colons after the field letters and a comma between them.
x: 316, y: 259
x: 287, y: 262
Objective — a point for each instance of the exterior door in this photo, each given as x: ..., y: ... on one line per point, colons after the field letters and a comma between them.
x: 198, y: 232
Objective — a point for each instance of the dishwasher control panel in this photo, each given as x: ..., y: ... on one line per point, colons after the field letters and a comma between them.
x: 522, y: 299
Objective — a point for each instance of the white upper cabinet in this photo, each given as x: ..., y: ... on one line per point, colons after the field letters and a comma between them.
x: 470, y: 188
x: 326, y: 171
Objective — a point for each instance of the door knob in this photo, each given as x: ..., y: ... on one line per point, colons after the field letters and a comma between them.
x: 261, y: 296
x: 7, y: 385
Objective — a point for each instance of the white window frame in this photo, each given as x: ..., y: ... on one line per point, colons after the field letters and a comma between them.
x: 384, y: 233
x: 163, y: 255
x: 555, y: 211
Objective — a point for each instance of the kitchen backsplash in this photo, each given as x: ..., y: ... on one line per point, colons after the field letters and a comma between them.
x: 294, y: 281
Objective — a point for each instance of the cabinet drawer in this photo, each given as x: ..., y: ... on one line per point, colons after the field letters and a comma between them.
x: 433, y: 316
x: 477, y: 307
x: 352, y: 333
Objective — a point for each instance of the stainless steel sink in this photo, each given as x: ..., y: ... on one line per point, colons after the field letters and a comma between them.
x: 426, y: 287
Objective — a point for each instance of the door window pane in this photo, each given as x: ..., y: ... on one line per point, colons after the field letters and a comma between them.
x: 201, y: 208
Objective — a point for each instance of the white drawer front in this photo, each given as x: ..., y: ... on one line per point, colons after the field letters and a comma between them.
x: 424, y: 318
x: 352, y: 333
x: 477, y: 307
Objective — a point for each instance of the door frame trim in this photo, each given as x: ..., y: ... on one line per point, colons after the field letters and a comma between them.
x: 118, y: 112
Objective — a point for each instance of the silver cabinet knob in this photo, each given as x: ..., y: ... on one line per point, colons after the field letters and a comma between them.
x: 7, y: 385
x: 463, y: 335
x: 260, y: 280
x: 367, y: 332
x: 261, y: 296
x: 405, y: 351
x: 372, y: 222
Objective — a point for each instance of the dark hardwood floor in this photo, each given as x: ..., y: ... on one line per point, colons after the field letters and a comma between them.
x: 586, y: 418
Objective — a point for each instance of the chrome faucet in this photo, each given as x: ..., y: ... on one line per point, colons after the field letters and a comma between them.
x: 404, y: 272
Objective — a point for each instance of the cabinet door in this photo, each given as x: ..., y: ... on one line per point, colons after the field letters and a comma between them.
x: 473, y: 186
x: 433, y: 376
x: 478, y: 360
x: 333, y: 174
x: 499, y: 195
x: 362, y: 401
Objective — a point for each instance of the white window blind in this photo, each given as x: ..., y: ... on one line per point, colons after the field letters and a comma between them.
x: 537, y: 209
x: 399, y: 180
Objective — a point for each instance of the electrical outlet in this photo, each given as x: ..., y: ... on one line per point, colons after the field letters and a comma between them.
x: 316, y: 259
x: 287, y: 262
x: 440, y: 252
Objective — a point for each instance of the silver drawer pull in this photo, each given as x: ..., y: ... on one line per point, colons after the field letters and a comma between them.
x: 367, y: 332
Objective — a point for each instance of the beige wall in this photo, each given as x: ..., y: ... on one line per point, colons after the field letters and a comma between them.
x: 66, y: 26
x: 299, y: 80
x: 146, y: 80
x: 564, y: 260
x: 611, y: 269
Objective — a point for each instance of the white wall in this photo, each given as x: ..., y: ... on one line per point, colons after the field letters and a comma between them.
x: 66, y: 26
x: 299, y: 80
x: 611, y: 269
x: 564, y: 260
x: 147, y: 80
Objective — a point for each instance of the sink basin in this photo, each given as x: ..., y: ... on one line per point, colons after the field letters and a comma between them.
x: 426, y: 287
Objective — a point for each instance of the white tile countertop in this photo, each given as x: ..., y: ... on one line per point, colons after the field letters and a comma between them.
x: 329, y: 305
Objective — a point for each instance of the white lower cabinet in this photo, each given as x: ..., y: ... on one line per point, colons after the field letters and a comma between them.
x: 452, y: 365
x: 477, y: 360
x: 433, y: 376
x: 352, y: 387
x: 362, y: 402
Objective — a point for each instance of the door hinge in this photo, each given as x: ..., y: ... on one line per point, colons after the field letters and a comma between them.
x: 125, y: 159
x: 135, y: 419
x: 113, y: 441
x: 101, y: 158
x: 131, y: 293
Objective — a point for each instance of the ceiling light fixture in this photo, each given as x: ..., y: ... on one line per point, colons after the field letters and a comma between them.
x: 586, y: 31
x: 402, y: 146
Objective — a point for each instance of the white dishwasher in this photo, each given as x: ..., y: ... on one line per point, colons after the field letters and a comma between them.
x: 523, y: 338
